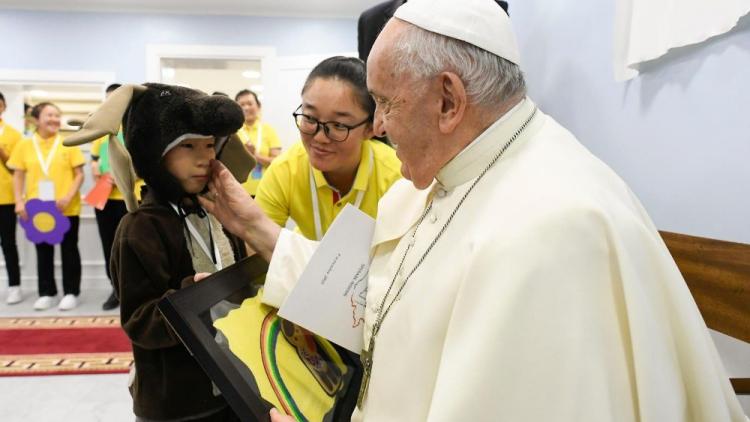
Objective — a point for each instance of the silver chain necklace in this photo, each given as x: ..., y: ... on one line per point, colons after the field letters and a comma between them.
x: 367, y: 355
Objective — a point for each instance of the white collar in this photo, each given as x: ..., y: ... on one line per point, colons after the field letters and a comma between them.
x: 468, y: 163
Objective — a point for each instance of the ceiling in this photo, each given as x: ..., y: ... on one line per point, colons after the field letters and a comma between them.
x: 291, y: 8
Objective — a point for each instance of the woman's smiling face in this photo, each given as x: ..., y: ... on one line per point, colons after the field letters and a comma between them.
x: 334, y: 100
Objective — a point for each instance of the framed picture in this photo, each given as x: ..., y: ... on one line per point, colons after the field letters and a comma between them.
x: 256, y: 359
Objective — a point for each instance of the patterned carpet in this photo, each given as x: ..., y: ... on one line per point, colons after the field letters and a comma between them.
x: 63, y: 346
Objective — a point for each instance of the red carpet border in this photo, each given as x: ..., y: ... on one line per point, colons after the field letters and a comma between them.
x: 63, y: 346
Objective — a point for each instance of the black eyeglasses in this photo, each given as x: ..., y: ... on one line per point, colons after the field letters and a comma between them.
x: 335, y: 131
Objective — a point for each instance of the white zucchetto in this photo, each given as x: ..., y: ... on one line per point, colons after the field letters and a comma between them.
x: 482, y: 23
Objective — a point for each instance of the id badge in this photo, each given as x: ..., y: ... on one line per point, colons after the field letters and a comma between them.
x: 47, y: 190
x: 257, y: 172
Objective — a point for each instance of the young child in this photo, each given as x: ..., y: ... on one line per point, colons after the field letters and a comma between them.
x: 172, y: 134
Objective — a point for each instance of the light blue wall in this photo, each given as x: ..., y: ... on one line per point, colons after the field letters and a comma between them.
x: 679, y: 134
x: 117, y: 42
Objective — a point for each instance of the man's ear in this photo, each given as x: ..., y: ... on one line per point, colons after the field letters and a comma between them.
x: 453, y: 101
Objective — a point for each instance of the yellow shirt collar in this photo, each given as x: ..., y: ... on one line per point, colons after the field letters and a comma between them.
x: 252, y: 127
x: 45, y: 140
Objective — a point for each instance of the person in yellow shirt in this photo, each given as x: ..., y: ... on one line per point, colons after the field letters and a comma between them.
x: 259, y: 138
x: 43, y: 168
x: 108, y: 218
x: 9, y: 138
x: 336, y: 162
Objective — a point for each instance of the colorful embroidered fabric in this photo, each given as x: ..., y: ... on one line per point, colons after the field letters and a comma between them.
x: 296, y: 371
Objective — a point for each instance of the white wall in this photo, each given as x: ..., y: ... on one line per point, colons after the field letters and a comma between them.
x: 116, y: 42
x: 679, y: 134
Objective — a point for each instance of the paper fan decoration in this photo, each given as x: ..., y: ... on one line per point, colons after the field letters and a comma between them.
x: 45, y: 223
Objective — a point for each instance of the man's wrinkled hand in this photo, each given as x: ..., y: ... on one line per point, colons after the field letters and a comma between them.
x: 228, y: 201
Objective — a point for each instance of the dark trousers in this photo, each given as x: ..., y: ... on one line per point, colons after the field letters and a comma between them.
x: 8, y: 241
x: 71, y: 263
x: 107, y: 220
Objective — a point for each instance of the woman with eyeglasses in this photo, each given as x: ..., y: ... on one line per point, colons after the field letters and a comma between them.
x: 337, y: 162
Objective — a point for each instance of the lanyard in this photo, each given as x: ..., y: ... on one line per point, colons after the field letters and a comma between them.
x: 216, y: 257
x: 316, y: 205
x: 45, y: 163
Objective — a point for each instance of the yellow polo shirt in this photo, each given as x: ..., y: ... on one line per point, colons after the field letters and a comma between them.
x: 268, y: 140
x: 9, y: 138
x: 284, y: 192
x: 64, y: 160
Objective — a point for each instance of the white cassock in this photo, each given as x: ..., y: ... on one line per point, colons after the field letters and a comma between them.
x: 550, y: 297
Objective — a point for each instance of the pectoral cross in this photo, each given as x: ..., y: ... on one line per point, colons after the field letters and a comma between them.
x: 366, y: 358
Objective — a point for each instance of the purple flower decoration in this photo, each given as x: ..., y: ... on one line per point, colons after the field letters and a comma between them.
x: 45, y: 223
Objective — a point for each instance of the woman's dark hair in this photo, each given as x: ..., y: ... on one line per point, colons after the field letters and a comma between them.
x: 37, y: 109
x: 349, y: 69
x: 247, y: 92
x: 2, y: 97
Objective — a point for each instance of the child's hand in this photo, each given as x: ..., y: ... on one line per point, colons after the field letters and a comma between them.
x: 277, y: 416
x: 200, y: 276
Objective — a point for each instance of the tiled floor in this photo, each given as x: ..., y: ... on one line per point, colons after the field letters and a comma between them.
x: 80, y: 398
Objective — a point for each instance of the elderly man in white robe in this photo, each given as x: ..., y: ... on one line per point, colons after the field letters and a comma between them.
x: 514, y: 276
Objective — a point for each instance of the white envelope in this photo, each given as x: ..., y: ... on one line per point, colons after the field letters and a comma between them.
x: 329, y: 298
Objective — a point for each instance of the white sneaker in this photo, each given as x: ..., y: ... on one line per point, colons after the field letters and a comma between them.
x: 67, y: 303
x: 44, y: 302
x: 14, y: 295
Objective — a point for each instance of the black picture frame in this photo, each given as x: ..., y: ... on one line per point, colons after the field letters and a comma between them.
x: 188, y: 311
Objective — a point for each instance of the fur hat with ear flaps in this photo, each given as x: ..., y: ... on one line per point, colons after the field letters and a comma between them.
x: 155, y: 118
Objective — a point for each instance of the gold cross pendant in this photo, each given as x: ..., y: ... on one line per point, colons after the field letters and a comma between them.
x: 366, y: 358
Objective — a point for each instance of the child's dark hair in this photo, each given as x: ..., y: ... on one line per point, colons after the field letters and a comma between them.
x: 112, y: 87
x: 349, y: 69
x: 247, y: 92
x: 37, y: 109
